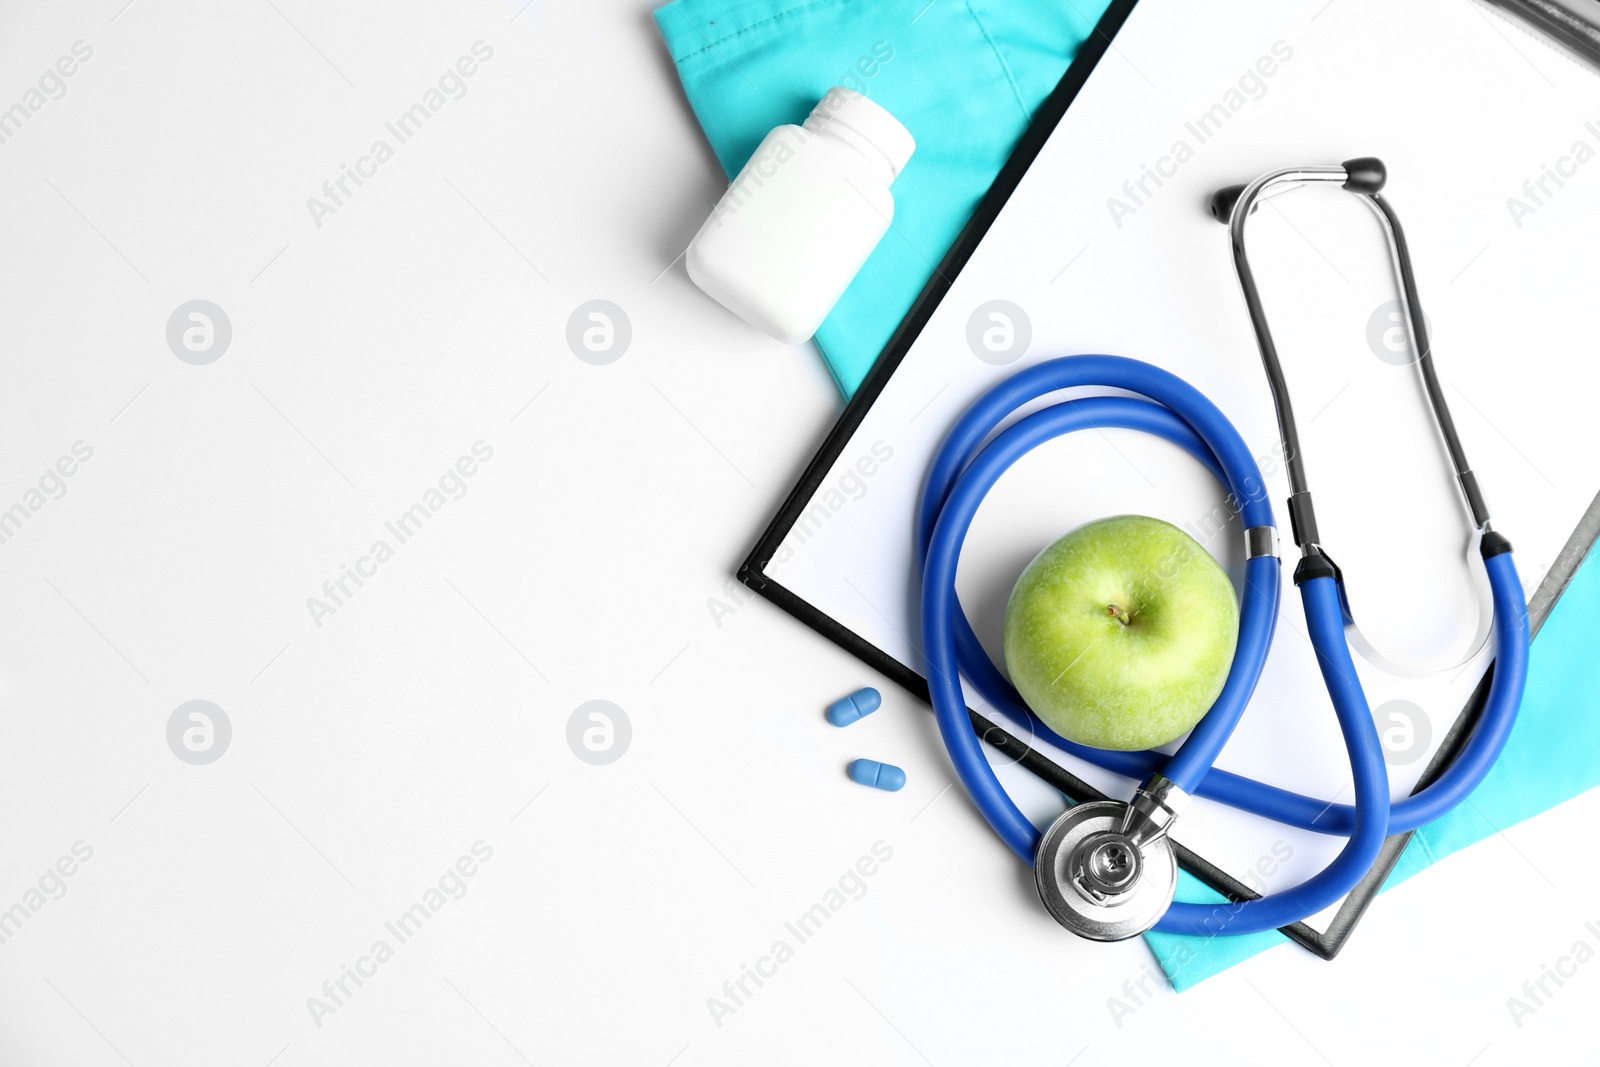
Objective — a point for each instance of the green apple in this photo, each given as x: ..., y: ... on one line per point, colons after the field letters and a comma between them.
x: 1120, y: 634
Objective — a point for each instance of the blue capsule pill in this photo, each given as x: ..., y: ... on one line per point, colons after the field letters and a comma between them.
x: 857, y: 705
x: 885, y: 776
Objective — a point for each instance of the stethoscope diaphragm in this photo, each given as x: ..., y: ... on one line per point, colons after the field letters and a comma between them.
x: 1096, y: 880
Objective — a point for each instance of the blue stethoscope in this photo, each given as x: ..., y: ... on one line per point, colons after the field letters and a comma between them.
x: 1106, y: 869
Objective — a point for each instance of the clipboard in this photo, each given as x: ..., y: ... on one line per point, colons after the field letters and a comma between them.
x: 1103, y: 62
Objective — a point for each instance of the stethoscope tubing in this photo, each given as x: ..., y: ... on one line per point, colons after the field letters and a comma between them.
x: 1298, y: 810
x: 957, y: 484
x: 1325, y: 627
x: 964, y: 470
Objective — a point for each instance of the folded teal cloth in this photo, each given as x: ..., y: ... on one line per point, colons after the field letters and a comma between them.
x: 965, y: 78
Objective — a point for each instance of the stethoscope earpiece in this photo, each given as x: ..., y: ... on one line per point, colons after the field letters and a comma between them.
x: 1222, y: 202
x: 1364, y: 174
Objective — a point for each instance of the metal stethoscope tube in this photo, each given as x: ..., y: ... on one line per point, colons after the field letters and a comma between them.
x: 1106, y: 870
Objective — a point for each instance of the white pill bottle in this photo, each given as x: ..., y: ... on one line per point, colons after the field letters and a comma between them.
x: 802, y: 216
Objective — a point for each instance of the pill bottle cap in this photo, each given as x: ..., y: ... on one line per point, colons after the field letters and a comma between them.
x: 866, y: 125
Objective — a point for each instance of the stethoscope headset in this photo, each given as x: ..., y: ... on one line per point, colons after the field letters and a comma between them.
x: 1106, y: 870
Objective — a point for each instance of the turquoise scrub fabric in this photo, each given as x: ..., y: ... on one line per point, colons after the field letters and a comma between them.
x: 965, y: 78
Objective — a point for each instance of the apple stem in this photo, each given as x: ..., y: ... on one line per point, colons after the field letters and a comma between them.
x: 1122, y: 615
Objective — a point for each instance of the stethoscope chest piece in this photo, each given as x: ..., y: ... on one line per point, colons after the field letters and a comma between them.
x: 1096, y: 880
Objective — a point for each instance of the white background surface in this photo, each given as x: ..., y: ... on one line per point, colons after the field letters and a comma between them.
x: 430, y: 712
